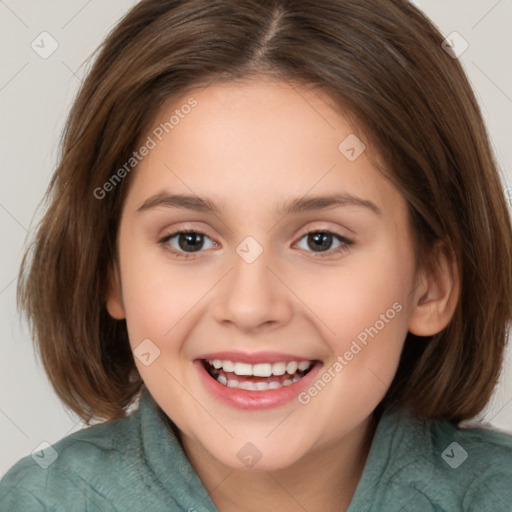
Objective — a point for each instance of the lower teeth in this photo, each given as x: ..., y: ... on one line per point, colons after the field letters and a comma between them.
x: 255, y: 386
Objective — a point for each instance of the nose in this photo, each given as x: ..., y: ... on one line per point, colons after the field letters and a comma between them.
x: 253, y: 296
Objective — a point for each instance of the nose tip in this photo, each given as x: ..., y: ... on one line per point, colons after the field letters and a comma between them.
x: 251, y: 296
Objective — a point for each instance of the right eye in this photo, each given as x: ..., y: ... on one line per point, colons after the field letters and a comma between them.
x: 186, y: 239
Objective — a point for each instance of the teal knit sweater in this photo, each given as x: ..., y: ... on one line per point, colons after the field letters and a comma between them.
x: 137, y: 464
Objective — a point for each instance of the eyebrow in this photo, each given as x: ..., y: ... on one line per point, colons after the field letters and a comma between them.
x: 295, y: 206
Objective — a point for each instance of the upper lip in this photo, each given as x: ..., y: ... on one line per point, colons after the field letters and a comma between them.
x: 253, y: 358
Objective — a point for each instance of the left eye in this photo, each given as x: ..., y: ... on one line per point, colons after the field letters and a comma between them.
x: 186, y: 240
x: 321, y: 240
x: 190, y: 242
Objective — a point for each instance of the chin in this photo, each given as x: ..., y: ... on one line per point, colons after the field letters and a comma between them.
x: 249, y: 456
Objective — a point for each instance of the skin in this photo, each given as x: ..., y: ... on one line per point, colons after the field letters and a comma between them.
x: 250, y: 146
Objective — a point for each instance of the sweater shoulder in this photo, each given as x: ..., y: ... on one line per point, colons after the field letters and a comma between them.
x: 83, y: 459
x: 438, y: 466
x: 472, y: 465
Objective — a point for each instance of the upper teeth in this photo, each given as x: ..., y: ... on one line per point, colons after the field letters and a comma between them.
x: 261, y: 369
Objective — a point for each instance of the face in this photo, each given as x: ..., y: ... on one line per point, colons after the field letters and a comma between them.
x: 274, y: 327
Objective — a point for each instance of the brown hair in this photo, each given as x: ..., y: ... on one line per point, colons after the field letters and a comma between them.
x: 380, y: 58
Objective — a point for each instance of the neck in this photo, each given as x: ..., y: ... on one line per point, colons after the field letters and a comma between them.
x: 325, y: 479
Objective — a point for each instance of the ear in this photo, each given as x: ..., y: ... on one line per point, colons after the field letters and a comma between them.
x: 436, y: 295
x: 114, y: 298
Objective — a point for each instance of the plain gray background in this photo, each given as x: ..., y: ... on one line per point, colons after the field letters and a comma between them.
x: 35, y: 96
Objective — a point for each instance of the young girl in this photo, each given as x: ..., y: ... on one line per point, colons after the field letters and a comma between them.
x: 346, y: 306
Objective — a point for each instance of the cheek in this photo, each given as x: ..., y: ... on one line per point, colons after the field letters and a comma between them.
x: 154, y: 297
x: 370, y: 326
x: 163, y: 301
x: 366, y: 310
x: 357, y: 296
x: 156, y: 303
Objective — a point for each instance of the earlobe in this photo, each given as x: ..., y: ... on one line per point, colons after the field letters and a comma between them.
x: 436, y: 295
x: 114, y: 296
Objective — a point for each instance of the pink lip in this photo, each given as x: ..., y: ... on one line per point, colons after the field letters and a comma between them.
x: 254, y: 358
x: 254, y: 400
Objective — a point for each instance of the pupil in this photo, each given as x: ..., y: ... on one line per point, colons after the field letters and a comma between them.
x: 190, y: 239
x: 323, y: 238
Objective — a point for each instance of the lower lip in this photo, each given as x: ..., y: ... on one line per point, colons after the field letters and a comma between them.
x: 256, y: 400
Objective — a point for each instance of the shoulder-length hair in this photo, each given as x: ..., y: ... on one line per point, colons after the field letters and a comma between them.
x: 380, y: 60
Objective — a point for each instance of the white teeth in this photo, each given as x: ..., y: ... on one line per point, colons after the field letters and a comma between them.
x: 228, y: 366
x: 279, y: 368
x: 249, y: 386
x: 264, y: 370
x: 291, y: 368
x: 242, y: 369
x: 255, y: 386
x: 260, y: 369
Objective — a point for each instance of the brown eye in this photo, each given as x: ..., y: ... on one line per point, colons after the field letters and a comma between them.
x: 188, y: 242
x: 193, y: 241
x: 321, y: 242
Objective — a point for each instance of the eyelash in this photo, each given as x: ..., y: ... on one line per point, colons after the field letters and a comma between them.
x: 347, y: 244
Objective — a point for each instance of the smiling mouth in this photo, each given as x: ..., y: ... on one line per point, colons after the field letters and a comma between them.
x: 257, y: 377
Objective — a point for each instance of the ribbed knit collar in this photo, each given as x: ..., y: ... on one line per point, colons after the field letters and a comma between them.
x: 167, y: 459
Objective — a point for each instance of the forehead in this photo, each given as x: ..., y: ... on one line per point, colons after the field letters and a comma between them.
x: 257, y: 141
